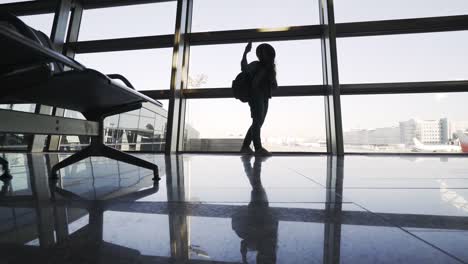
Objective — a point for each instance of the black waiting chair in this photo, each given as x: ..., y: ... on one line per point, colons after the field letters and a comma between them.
x: 32, y: 72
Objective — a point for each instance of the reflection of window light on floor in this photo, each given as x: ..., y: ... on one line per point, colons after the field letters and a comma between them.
x: 34, y: 242
x: 452, y: 197
x: 78, y: 224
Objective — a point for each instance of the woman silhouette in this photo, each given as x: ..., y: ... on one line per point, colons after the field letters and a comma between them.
x: 263, y: 76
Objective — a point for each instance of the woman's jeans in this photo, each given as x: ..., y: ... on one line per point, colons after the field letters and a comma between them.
x: 258, y: 110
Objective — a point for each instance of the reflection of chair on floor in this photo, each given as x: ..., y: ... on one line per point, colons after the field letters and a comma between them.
x: 31, y: 72
x: 89, y: 239
x: 5, y: 169
x: 85, y: 245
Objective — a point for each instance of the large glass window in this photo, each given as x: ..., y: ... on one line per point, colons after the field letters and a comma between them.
x: 128, y: 21
x: 403, y: 58
x: 41, y: 22
x: 298, y: 63
x: 420, y: 123
x: 148, y: 69
x: 214, y: 15
x: 368, y: 10
x: 292, y: 124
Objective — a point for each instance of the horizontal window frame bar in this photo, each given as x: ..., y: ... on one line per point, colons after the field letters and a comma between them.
x: 320, y: 90
x: 48, y: 6
x: 404, y: 88
x: 31, y: 123
x: 121, y: 44
x: 30, y: 7
x: 409, y: 154
x: 255, y: 35
x: 282, y: 91
x: 402, y: 26
x: 95, y: 4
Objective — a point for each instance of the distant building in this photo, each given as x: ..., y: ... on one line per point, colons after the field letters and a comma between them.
x: 459, y: 126
x: 426, y: 131
x: 378, y: 136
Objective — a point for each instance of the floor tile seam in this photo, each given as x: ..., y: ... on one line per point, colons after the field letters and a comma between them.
x: 264, y: 187
x: 404, y: 178
x: 411, y: 234
x: 437, y: 231
x: 307, y: 177
x: 407, y: 188
x: 230, y: 202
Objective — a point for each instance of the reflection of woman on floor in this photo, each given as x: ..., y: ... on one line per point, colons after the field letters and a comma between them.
x: 256, y: 225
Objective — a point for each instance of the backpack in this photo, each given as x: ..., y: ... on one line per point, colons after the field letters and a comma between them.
x: 241, y: 87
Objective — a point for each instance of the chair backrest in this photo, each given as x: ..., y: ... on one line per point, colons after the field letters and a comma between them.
x: 15, y: 24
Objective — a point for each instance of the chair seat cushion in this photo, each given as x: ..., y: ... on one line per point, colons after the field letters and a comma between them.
x: 83, y: 91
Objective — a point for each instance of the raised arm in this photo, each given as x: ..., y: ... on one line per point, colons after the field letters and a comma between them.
x: 244, y: 63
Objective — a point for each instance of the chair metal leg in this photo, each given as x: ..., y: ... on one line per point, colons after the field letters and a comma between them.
x: 78, y: 156
x: 127, y: 158
x: 99, y: 149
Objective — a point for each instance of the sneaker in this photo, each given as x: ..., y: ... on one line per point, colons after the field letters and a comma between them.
x: 247, y: 151
x: 263, y: 152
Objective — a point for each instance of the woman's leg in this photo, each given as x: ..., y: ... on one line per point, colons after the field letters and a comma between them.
x: 247, y: 139
x: 258, y: 116
x: 248, y: 135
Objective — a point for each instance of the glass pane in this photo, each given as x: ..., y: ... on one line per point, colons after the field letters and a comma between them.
x: 292, y: 124
x: 41, y: 22
x: 30, y: 108
x: 128, y: 21
x: 298, y: 63
x: 9, y: 141
x: 368, y: 10
x: 420, y: 123
x: 213, y: 15
x: 145, y: 69
x: 403, y: 58
x: 140, y: 130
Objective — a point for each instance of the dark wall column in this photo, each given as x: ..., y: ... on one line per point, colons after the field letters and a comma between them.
x: 331, y: 80
x: 179, y: 77
x: 179, y: 224
x: 333, y: 210
x: 72, y: 36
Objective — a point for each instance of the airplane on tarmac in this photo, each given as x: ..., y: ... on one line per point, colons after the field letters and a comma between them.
x: 462, y: 147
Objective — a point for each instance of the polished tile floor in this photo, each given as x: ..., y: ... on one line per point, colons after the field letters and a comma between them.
x: 228, y: 209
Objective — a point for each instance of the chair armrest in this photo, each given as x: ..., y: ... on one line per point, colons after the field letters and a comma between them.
x: 123, y: 79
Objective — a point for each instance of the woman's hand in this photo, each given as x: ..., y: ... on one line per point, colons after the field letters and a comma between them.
x: 248, y: 48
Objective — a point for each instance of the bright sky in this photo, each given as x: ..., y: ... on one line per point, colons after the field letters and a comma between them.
x: 399, y: 58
